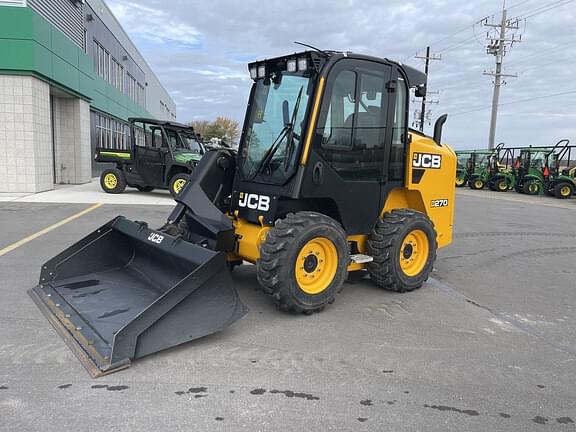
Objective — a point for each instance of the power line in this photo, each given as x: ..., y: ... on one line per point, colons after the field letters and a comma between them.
x: 543, y: 54
x: 457, y: 45
x: 545, y: 8
x: 514, y: 102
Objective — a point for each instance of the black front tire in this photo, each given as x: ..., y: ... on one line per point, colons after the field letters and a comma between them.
x: 276, y: 269
x: 112, y: 181
x: 476, y: 184
x: 501, y: 185
x: 532, y: 187
x: 385, y: 246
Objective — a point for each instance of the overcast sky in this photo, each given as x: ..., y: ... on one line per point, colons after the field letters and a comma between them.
x: 199, y: 50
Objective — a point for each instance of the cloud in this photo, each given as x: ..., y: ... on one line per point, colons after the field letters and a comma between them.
x: 200, y: 50
x: 152, y: 24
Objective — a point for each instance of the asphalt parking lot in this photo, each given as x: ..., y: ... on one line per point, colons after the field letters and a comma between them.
x: 488, y: 344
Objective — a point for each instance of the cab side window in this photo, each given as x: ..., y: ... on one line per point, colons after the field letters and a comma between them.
x: 352, y: 122
x: 399, y: 133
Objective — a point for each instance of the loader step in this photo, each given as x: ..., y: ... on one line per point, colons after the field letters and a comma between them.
x: 361, y: 258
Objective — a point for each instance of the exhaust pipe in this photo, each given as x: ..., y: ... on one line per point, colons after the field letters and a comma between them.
x: 438, y: 128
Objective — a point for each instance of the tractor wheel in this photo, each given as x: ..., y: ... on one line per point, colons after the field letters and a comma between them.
x: 532, y: 187
x: 477, y: 184
x: 303, y: 262
x: 403, y: 245
x: 112, y: 181
x: 501, y: 185
x: 460, y: 181
x: 563, y: 190
x: 145, y: 188
x: 177, y: 183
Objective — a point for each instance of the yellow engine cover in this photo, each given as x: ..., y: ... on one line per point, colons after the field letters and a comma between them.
x: 429, y: 185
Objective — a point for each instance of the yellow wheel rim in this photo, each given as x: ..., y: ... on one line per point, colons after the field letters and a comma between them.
x: 564, y: 191
x: 478, y: 184
x: 316, y: 265
x: 414, y: 253
x: 502, y: 186
x: 533, y: 188
x: 459, y: 181
x: 178, y: 185
x: 110, y: 181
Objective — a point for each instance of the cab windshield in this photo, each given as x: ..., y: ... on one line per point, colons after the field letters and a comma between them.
x: 274, y: 129
x: 190, y: 143
x: 463, y: 159
x: 181, y: 141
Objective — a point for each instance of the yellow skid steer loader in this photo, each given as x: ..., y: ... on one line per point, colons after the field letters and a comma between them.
x: 328, y: 179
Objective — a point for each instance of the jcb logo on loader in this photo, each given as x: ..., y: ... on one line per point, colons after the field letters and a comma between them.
x: 254, y: 201
x: 426, y: 160
x: 155, y: 238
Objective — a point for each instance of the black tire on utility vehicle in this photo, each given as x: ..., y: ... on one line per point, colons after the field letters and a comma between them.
x: 403, y: 246
x: 112, y: 181
x: 145, y: 188
x: 303, y: 262
x: 177, y: 183
x: 532, y: 187
x: 563, y: 190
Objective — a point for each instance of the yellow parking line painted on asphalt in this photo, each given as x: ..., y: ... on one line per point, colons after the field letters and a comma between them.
x: 31, y: 237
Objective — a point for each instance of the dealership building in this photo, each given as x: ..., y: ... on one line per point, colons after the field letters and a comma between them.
x: 70, y: 77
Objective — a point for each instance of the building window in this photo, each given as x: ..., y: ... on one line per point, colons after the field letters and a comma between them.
x: 141, y: 97
x: 111, y: 133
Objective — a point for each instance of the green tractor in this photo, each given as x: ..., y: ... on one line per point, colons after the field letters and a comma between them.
x: 483, y: 166
x: 538, y: 172
x: 161, y: 154
x: 485, y: 169
x: 461, y: 168
x: 499, y: 177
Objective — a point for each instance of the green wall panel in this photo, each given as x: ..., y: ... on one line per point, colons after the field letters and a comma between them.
x: 31, y: 45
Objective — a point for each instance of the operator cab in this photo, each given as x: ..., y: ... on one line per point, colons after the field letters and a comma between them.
x: 329, y: 127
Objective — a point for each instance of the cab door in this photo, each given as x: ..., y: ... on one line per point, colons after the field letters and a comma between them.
x: 150, y: 156
x: 351, y: 144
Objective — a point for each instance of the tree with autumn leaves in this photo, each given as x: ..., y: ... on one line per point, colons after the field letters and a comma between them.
x: 221, y: 128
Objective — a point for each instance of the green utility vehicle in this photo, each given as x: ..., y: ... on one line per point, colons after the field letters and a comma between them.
x: 461, y: 168
x: 538, y: 171
x: 161, y: 155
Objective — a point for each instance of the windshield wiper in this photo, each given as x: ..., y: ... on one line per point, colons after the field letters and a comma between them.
x: 290, y: 143
x: 269, y: 153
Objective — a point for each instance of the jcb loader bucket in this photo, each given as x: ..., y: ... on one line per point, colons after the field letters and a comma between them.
x: 126, y: 291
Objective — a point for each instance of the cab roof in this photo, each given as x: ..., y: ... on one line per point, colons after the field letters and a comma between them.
x: 414, y: 77
x: 164, y: 123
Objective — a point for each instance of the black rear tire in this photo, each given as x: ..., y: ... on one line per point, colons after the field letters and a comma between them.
x: 145, y: 188
x: 112, y: 181
x: 288, y: 242
x: 563, y: 190
x: 385, y: 244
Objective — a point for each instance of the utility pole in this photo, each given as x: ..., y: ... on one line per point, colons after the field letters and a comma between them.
x: 426, y: 69
x: 497, y: 46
